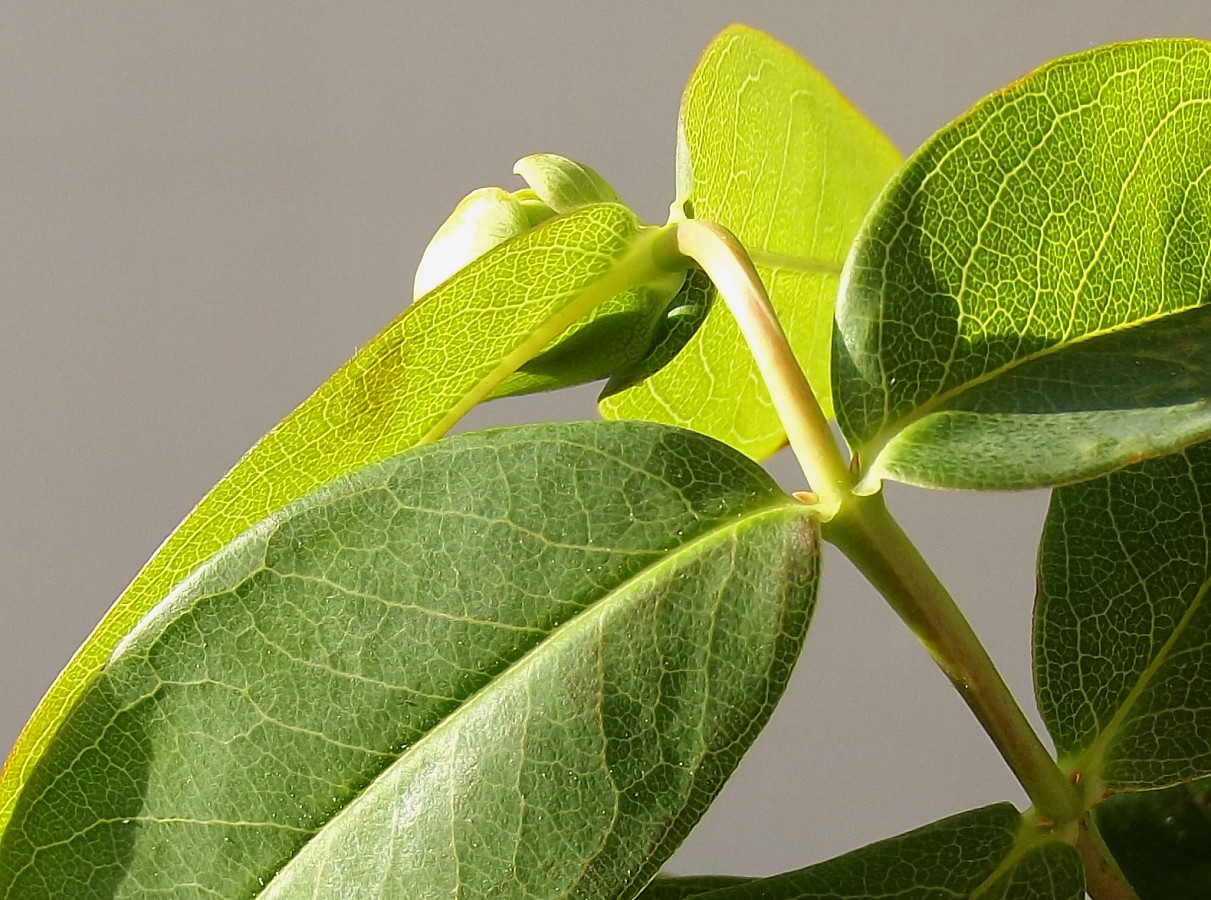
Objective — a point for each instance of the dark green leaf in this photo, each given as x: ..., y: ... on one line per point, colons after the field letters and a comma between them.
x: 444, y: 354
x: 1052, y: 871
x: 770, y: 150
x: 1022, y: 308
x: 979, y: 855
x: 1162, y: 840
x: 1122, y: 629
x: 678, y: 888
x: 514, y: 663
x: 611, y: 341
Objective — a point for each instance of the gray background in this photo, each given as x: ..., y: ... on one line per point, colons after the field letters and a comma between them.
x: 208, y: 206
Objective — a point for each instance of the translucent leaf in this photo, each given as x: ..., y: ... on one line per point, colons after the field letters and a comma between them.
x: 769, y: 149
x: 1025, y: 305
x: 444, y: 354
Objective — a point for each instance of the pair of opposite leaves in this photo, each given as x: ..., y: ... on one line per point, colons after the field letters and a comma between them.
x: 1007, y: 352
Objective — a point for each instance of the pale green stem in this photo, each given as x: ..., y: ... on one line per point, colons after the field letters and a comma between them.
x: 863, y: 528
x: 868, y: 534
x: 727, y: 263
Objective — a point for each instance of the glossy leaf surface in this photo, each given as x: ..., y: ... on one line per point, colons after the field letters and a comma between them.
x: 1023, y: 307
x: 444, y: 354
x: 1122, y: 626
x: 1162, y: 840
x: 512, y: 663
x: 770, y: 150
x: 974, y: 856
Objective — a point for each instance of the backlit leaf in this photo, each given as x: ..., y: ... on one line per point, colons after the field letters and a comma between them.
x: 511, y: 663
x: 1026, y: 306
x: 770, y: 150
x: 564, y: 184
x: 444, y: 354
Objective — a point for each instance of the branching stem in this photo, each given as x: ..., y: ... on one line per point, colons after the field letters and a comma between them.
x: 866, y: 532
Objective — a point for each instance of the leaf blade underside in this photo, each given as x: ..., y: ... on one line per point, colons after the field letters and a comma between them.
x: 770, y: 150
x: 978, y: 855
x: 518, y: 661
x: 1064, y: 219
x: 1122, y: 626
x: 404, y: 388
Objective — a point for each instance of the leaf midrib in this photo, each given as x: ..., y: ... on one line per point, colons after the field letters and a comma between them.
x: 23, y: 755
x: 629, y: 270
x: 806, y: 265
x: 874, y: 448
x: 1025, y: 842
x: 1090, y: 761
x: 777, y: 504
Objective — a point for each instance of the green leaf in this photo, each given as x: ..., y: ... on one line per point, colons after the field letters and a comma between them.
x: 1052, y: 870
x: 619, y: 334
x: 770, y: 150
x: 1122, y: 626
x: 611, y: 341
x: 679, y: 887
x: 1008, y: 304
x: 511, y: 663
x: 444, y: 354
x: 1162, y: 840
x: 685, y: 314
x: 614, y: 337
x: 985, y: 854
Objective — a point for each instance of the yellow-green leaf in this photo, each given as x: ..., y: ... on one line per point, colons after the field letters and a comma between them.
x: 443, y: 355
x: 770, y: 150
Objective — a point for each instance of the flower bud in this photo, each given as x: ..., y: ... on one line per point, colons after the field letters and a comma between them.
x: 484, y: 219
x: 488, y: 217
x: 564, y: 184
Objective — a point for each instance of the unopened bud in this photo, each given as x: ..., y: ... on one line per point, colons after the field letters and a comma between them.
x: 484, y: 219
x: 564, y: 184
